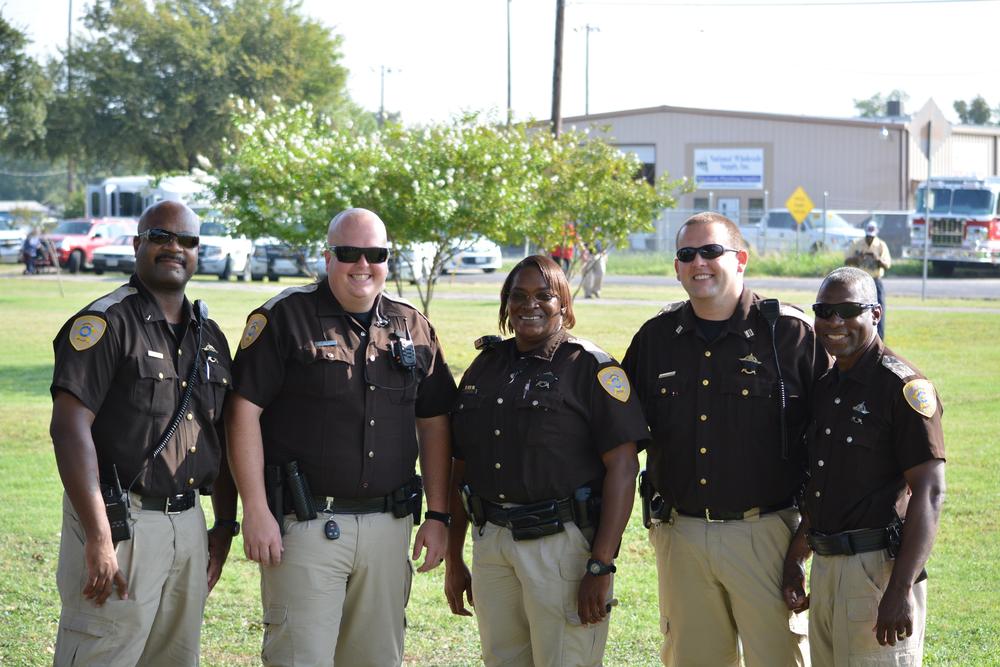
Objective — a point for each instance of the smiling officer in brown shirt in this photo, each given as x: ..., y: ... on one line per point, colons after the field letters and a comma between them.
x: 876, y: 451
x: 706, y: 374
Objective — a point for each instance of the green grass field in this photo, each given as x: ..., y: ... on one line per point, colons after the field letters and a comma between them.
x: 958, y: 350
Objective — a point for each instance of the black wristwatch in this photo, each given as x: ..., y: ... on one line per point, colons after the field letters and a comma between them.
x: 598, y: 568
x: 230, y: 524
x: 443, y: 517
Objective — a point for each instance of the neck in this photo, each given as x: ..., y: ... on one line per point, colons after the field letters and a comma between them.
x: 848, y: 362
x: 172, y: 305
x: 717, y: 308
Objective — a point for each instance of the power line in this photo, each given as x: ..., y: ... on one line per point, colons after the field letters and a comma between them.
x: 35, y: 174
x: 771, y: 3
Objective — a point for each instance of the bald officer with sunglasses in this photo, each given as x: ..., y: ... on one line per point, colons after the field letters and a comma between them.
x: 876, y: 452
x: 338, y: 388
x: 726, y: 461
x: 138, y: 389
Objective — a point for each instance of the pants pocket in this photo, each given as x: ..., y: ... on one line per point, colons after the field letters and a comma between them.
x: 86, y: 640
x: 277, y: 647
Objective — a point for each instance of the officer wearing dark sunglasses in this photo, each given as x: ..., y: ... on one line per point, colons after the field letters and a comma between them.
x: 134, y: 592
x: 339, y: 387
x: 719, y: 376
x: 876, y: 455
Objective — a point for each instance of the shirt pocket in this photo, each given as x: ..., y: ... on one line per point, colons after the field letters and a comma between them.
x: 663, y: 407
x: 218, y: 382
x: 753, y: 401
x: 324, y: 371
x: 154, y: 391
x: 539, y: 418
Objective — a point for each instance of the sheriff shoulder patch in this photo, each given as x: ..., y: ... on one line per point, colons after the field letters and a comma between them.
x: 615, y: 382
x: 255, y: 325
x: 86, y: 331
x: 921, y: 396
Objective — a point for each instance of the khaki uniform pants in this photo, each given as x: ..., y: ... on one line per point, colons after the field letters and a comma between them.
x: 722, y: 580
x: 593, y: 277
x: 166, y: 564
x: 844, y: 594
x: 526, y: 599
x: 338, y: 602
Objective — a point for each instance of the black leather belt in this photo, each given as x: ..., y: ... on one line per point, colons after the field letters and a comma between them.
x: 712, y: 516
x: 501, y: 516
x: 174, y: 504
x: 849, y: 543
x: 332, y: 505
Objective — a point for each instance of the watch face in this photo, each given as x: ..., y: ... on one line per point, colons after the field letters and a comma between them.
x: 595, y: 568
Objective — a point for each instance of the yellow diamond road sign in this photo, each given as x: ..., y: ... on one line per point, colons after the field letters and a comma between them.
x: 799, y: 205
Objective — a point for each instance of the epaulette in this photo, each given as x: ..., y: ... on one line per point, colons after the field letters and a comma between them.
x: 599, y: 354
x: 671, y: 307
x: 788, y: 310
x: 116, y: 297
x: 901, y: 370
x: 400, y: 300
x: 487, y: 342
x: 285, y: 293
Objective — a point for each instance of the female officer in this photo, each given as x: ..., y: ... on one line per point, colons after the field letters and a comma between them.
x: 545, y: 433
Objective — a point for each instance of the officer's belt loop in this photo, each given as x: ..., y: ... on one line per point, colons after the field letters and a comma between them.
x: 849, y: 542
x: 175, y: 504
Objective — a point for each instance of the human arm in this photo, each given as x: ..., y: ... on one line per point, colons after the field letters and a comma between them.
x: 884, y: 257
x: 434, y: 435
x: 895, y: 613
x: 76, y: 458
x: 245, y: 446
x: 220, y: 538
x: 793, y: 575
x: 457, y: 578
x: 622, y: 466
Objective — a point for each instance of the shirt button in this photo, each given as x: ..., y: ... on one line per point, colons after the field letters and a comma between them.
x: 850, y: 439
x: 499, y: 401
x: 836, y: 401
x: 708, y: 353
x: 364, y: 485
x: 817, y: 494
x: 820, y: 463
x: 180, y: 352
x: 534, y: 402
x: 497, y: 465
x: 496, y: 432
x: 225, y: 380
x: 663, y: 390
x: 371, y: 455
x: 193, y: 450
x: 184, y: 383
x: 371, y: 387
x: 501, y: 496
x: 363, y: 334
x: 703, y: 481
x: 745, y: 392
x: 329, y: 355
x: 704, y: 383
x: 191, y: 481
x: 371, y: 358
x: 159, y: 375
x: 827, y: 431
x: 190, y: 416
x: 703, y: 418
x: 371, y: 423
x: 703, y: 450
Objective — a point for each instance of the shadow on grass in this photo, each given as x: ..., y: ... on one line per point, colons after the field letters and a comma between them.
x: 25, y: 381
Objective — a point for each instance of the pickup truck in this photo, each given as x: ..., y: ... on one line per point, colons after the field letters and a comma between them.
x: 777, y: 231
x: 75, y: 240
x: 222, y: 254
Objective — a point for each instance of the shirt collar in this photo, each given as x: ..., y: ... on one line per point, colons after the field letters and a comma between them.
x: 861, y: 371
x: 150, y: 307
x: 327, y: 305
x: 739, y: 322
x: 546, y: 350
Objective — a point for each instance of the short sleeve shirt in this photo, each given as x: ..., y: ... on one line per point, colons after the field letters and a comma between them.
x: 714, y: 406
x: 119, y: 357
x: 334, y: 399
x: 871, y: 424
x: 534, y: 426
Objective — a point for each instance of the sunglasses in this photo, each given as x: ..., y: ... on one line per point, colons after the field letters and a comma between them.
x: 163, y: 237
x: 710, y: 251
x: 349, y: 254
x: 844, y: 311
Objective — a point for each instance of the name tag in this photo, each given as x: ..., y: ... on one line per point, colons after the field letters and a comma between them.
x: 325, y: 343
x: 154, y: 354
x: 668, y: 374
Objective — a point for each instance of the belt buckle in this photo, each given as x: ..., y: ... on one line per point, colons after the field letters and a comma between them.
x: 847, y: 548
x: 708, y: 517
x: 168, y: 505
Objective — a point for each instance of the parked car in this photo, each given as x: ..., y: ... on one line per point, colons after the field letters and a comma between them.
x: 11, y: 240
x: 272, y: 259
x: 475, y: 254
x: 893, y: 228
x: 76, y: 240
x: 777, y: 231
x: 222, y: 254
x: 117, y: 256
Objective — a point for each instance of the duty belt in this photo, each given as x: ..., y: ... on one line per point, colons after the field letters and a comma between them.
x: 331, y: 505
x: 712, y: 516
x: 502, y: 516
x: 849, y: 543
x: 174, y: 504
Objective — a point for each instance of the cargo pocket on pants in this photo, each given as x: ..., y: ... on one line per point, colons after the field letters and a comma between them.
x: 86, y: 640
x: 277, y: 647
x: 408, y: 578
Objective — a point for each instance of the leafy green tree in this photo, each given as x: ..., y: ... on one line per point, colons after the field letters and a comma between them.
x: 155, y: 81
x: 875, y: 106
x: 23, y: 92
x: 976, y: 112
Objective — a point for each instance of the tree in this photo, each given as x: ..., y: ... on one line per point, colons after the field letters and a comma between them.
x: 876, y: 105
x: 155, y: 81
x: 976, y: 112
x: 23, y: 92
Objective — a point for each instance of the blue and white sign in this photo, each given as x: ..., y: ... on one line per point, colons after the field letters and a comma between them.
x: 729, y: 168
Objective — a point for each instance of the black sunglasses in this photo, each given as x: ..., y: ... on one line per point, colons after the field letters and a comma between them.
x: 844, y: 311
x: 349, y: 254
x: 163, y: 237
x: 710, y: 251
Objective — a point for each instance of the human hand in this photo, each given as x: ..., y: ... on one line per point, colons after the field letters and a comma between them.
x: 432, y: 535
x: 458, y: 582
x: 262, y: 538
x: 103, y: 574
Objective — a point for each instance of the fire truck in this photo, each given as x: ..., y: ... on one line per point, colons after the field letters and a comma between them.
x: 964, y: 223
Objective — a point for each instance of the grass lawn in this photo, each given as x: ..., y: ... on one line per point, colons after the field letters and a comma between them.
x: 957, y: 350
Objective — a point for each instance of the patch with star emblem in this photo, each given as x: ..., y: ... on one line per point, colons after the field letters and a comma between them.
x: 921, y: 396
x: 255, y: 325
x: 749, y: 364
x: 86, y: 331
x: 615, y: 382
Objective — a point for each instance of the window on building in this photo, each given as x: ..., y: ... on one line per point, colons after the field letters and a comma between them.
x: 755, y: 210
x: 129, y: 204
x: 95, y: 204
x: 701, y: 204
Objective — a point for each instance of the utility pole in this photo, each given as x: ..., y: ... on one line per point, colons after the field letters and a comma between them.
x: 557, y: 70
x: 381, y: 95
x: 70, y: 158
x: 586, y: 65
x: 510, y: 112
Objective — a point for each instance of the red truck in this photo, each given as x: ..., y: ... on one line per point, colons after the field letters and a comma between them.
x: 75, y: 240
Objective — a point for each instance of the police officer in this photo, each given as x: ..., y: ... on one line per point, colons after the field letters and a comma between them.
x: 876, y: 454
x: 341, y: 382
x: 872, y: 255
x: 545, y: 430
x: 138, y: 390
x: 717, y: 382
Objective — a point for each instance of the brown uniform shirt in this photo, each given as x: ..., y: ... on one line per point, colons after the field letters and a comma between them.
x: 533, y: 426
x: 333, y: 397
x: 870, y: 425
x: 119, y: 357
x: 713, y: 406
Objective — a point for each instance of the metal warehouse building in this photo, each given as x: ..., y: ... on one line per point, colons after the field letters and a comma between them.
x: 744, y: 163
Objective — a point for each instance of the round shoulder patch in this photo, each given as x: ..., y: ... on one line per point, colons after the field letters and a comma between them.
x: 86, y: 331
x: 921, y: 396
x: 615, y: 382
x: 255, y: 325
